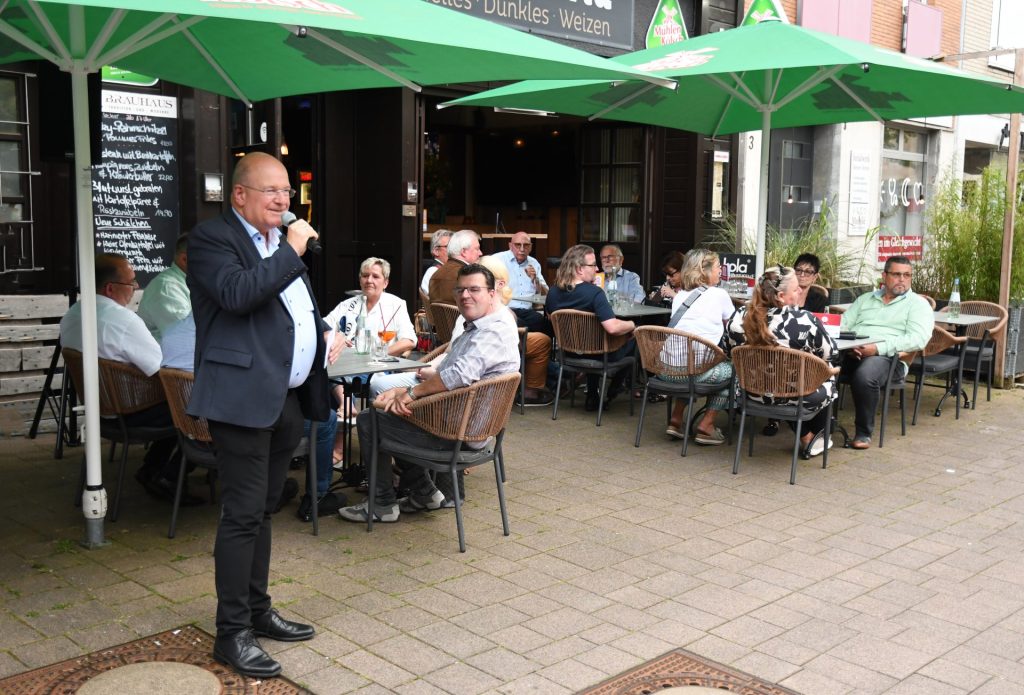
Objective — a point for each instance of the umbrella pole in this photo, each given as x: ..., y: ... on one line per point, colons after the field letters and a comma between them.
x: 94, y: 496
x: 762, y: 194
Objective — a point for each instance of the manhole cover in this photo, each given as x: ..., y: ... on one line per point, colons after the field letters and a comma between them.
x: 154, y: 678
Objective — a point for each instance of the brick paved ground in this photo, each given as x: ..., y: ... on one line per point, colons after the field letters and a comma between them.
x: 895, y: 571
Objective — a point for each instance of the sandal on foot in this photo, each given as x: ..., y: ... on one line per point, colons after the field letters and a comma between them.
x: 712, y: 438
x: 861, y: 443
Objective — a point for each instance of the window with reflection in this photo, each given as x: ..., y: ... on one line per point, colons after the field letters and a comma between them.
x: 13, y: 149
x: 611, y: 186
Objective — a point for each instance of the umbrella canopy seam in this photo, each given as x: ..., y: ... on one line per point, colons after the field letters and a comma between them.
x: 359, y: 57
x: 625, y: 100
x: 109, y: 27
x: 201, y: 49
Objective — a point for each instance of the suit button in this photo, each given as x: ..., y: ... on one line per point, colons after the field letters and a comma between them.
x: 288, y: 364
x: 291, y: 329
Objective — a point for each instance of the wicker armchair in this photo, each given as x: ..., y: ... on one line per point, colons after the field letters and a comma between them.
x: 681, y: 356
x: 435, y: 353
x: 781, y: 373
x: 579, y: 334
x: 475, y: 413
x: 193, y: 434
x: 943, y: 354
x: 982, y: 341
x: 124, y: 390
x: 443, y: 318
x: 929, y: 299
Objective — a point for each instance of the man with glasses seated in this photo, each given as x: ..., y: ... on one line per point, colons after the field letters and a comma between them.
x: 575, y: 289
x: 627, y: 283
x: 525, y: 278
x: 122, y: 336
x: 488, y: 347
x: 900, y: 322
x: 439, y: 250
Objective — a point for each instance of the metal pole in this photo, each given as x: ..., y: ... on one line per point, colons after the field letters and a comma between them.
x: 94, y: 497
x: 1012, y: 162
x: 762, y: 195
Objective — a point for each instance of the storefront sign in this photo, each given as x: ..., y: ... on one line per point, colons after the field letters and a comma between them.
x: 667, y: 25
x: 135, y: 184
x: 896, y: 245
x: 108, y: 73
x: 739, y: 264
x: 604, y: 22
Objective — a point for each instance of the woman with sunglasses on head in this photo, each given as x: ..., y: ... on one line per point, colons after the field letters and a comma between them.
x: 773, y: 317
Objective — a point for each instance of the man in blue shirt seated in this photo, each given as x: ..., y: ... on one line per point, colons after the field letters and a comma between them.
x: 575, y: 289
x: 627, y: 283
x: 526, y: 278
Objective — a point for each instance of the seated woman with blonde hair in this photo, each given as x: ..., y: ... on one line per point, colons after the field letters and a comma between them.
x: 773, y: 317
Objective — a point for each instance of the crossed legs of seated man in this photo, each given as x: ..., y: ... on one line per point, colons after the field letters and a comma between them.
x: 423, y: 494
x: 867, y: 377
x: 253, y: 465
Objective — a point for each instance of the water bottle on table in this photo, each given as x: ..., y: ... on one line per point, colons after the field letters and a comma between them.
x: 953, y: 308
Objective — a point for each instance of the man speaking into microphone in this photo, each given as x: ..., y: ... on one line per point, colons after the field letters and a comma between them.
x: 259, y: 371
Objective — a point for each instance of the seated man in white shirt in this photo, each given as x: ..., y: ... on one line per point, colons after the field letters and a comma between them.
x: 123, y: 337
x: 439, y: 250
x: 526, y: 278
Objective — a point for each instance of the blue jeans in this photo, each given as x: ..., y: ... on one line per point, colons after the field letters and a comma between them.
x: 325, y: 433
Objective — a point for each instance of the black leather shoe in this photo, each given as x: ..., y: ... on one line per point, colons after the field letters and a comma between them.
x: 275, y: 627
x: 244, y: 654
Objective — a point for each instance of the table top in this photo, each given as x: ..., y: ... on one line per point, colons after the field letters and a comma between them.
x: 350, y: 363
x: 962, y: 319
x: 637, y: 310
x: 854, y: 343
x: 531, y: 298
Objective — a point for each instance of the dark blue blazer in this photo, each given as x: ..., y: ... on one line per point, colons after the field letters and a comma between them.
x: 244, y: 333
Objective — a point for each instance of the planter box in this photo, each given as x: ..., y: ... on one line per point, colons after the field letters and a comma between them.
x: 1014, y: 338
x: 845, y: 295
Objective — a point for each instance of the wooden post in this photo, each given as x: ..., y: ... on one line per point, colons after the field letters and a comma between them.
x: 1012, y: 162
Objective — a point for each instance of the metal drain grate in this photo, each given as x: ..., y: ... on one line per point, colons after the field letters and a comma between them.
x: 680, y: 668
x: 184, y: 645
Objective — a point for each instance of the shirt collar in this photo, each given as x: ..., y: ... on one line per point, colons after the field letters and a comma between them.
x: 274, y: 236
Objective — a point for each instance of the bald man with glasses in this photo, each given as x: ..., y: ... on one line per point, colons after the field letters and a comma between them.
x: 526, y: 278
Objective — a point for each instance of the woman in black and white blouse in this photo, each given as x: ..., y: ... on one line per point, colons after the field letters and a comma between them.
x: 772, y: 317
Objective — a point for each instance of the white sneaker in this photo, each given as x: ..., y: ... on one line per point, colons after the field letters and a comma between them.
x: 819, y: 446
x: 384, y: 513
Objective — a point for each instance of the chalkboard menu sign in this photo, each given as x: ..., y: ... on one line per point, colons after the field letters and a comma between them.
x: 135, y: 184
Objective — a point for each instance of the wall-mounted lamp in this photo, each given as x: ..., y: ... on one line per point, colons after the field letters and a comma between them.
x: 519, y: 143
x: 789, y: 200
x: 284, y: 149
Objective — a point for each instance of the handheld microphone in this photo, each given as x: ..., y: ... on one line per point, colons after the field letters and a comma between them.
x: 312, y: 245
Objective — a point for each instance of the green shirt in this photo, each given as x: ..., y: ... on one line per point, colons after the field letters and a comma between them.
x: 905, y: 324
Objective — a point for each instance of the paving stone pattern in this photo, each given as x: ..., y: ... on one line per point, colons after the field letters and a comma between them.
x: 896, y: 571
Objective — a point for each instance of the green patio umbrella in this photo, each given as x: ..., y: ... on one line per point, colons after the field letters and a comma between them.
x: 765, y: 75
x: 254, y: 50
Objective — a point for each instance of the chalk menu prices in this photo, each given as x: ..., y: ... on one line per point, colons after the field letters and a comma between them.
x: 135, y: 184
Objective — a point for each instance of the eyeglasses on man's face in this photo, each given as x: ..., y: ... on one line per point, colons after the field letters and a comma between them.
x: 805, y: 271
x: 899, y: 276
x: 272, y: 192
x: 474, y: 290
x: 611, y: 257
x: 526, y: 245
x: 133, y: 284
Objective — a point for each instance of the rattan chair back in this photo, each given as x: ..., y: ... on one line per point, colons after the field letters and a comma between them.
x: 820, y: 290
x: 129, y: 390
x: 675, y: 353
x: 469, y: 414
x: 779, y: 372
x: 443, y: 318
x: 425, y: 301
x: 980, y: 308
x: 178, y: 387
x: 581, y: 333
x: 73, y: 363
x: 929, y: 299
x: 941, y: 341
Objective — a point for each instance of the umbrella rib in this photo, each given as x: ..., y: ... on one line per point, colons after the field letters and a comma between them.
x: 358, y: 57
x: 145, y: 37
x: 857, y: 99
x: 813, y: 81
x: 111, y: 25
x: 51, y: 33
x: 213, y: 64
x: 752, y: 103
x: 7, y: 30
x: 625, y: 100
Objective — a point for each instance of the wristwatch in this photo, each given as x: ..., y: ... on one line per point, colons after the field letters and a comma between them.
x: 408, y: 391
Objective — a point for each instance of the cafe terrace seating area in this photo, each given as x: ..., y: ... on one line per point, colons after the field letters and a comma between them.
x: 895, y: 570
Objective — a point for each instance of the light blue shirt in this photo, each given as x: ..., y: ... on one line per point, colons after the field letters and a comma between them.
x: 299, y: 305
x: 178, y: 345
x: 627, y: 284
x: 519, y: 281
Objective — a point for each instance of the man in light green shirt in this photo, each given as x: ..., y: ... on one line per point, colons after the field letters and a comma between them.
x: 166, y: 299
x: 901, y: 321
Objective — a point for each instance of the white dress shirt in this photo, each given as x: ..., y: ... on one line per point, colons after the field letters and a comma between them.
x: 120, y: 335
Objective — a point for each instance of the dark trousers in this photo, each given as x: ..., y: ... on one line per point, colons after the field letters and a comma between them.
x: 253, y: 465
x: 413, y: 478
x: 616, y: 380
x: 159, y: 461
x: 817, y: 423
x: 531, y: 319
x: 867, y: 378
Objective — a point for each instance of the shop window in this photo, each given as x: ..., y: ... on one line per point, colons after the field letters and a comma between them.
x: 611, y: 184
x: 1007, y: 31
x: 902, y: 190
x: 14, y: 184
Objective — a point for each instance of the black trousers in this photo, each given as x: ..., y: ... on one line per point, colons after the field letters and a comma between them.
x: 867, y: 378
x: 531, y: 319
x: 159, y: 460
x: 253, y: 465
